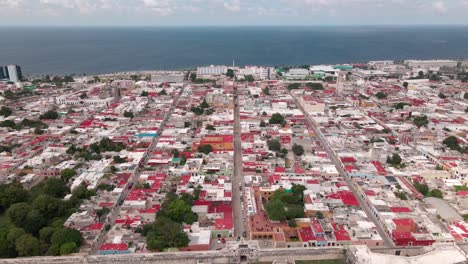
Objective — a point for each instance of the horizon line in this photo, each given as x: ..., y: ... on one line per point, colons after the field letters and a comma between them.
x: 233, y: 25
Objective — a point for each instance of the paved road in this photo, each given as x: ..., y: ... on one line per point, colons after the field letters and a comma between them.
x: 339, y: 166
x: 112, y: 216
x: 239, y: 216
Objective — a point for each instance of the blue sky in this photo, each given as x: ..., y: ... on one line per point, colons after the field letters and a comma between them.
x: 232, y: 12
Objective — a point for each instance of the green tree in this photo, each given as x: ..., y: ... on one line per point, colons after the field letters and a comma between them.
x: 165, y: 233
x: 68, y: 248
x: 56, y: 188
x: 230, y: 73
x: 128, y: 114
x: 67, y: 174
x: 38, y: 131
x: 400, y: 106
x: 48, y: 206
x: 5, y: 111
x: 263, y: 124
x: 420, y: 121
x: 54, y: 250
x: 49, y: 115
x: 144, y: 94
x: 401, y: 195
x: 210, y: 127
x: 422, y: 188
x: 277, y: 118
x: 298, y: 150
x: 34, y: 222
x: 65, y: 235
x: 45, y: 234
x: 249, y: 78
x: 10, y: 194
x: 276, y: 210
x: 117, y: 159
x: 18, y: 213
x: 274, y: 145
x: 442, y: 96
x: 421, y: 75
x: 193, y: 77
x: 204, y: 104
x: 266, y: 91
x: 81, y: 192
x: 206, y: 149
x: 294, y: 86
x: 381, y: 95
x: 175, y: 152
x: 395, y: 159
x: 315, y: 86
x: 181, y: 212
x: 27, y: 245
x: 319, y: 215
x: 436, y: 193
x: 405, y: 84
x: 452, y: 143
x: 294, y: 211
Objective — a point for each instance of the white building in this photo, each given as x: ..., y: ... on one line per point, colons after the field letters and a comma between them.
x: 14, y: 73
x: 167, y: 77
x: 430, y: 64
x: 296, y: 74
x: 212, y: 70
x: 262, y: 73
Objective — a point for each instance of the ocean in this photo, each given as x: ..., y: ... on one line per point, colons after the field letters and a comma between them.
x: 94, y: 50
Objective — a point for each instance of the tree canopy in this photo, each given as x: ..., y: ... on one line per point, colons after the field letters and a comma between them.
x: 274, y: 145
x: 205, y: 149
x: 452, y: 143
x: 298, y: 150
x: 381, y: 95
x: 51, y: 114
x: 284, y: 205
x: 420, y: 121
x: 277, y: 118
x: 5, y: 111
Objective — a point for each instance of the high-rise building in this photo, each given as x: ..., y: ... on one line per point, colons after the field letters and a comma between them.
x: 4, y: 73
x: 14, y: 72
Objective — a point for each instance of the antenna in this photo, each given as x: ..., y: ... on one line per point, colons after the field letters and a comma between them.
x: 233, y: 63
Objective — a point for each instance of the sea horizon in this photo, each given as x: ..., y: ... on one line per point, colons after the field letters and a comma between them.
x: 59, y: 50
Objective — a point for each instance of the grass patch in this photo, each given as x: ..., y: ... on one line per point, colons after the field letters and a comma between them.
x: 460, y: 188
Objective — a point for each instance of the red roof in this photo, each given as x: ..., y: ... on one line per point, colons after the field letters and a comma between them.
x: 306, y: 234
x: 116, y: 247
x: 348, y: 160
x: 340, y: 233
x: 400, y: 209
x: 403, y: 222
x: 280, y: 170
x: 316, y: 226
x: 95, y: 226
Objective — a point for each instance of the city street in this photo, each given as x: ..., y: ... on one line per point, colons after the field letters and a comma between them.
x: 239, y: 215
x: 112, y: 216
x: 339, y: 166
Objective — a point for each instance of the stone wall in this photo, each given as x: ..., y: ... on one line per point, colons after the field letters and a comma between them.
x: 212, y: 257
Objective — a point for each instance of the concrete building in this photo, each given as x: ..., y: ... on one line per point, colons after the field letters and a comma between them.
x: 212, y: 70
x: 167, y: 77
x: 4, y: 73
x: 297, y: 74
x: 428, y: 64
x: 14, y: 73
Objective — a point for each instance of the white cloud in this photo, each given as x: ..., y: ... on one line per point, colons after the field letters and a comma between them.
x: 233, y: 6
x: 10, y: 3
x: 440, y: 7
